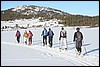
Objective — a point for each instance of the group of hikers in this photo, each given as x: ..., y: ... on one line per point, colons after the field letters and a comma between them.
x: 78, y: 37
x: 50, y: 35
x: 27, y: 37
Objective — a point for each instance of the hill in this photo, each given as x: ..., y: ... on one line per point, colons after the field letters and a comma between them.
x: 46, y: 13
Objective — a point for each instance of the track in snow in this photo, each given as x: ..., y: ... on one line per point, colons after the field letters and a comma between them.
x: 54, y: 52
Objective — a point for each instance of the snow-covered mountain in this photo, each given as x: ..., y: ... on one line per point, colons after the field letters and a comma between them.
x: 31, y: 16
x: 31, y: 11
x: 28, y: 10
x: 46, y: 14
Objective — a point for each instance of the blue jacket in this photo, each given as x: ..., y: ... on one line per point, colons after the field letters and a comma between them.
x: 44, y: 33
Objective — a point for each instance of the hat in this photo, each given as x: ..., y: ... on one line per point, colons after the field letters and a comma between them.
x: 78, y: 28
x: 49, y: 28
x: 62, y: 28
x: 44, y: 28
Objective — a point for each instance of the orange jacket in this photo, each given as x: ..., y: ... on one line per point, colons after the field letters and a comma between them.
x: 25, y: 34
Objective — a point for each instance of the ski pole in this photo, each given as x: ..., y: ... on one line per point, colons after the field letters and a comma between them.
x: 59, y: 44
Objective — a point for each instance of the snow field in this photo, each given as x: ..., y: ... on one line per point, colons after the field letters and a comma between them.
x: 91, y: 43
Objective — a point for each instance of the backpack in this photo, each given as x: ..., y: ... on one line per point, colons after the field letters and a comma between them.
x: 18, y: 34
x: 78, y: 36
x: 51, y: 33
x: 63, y: 33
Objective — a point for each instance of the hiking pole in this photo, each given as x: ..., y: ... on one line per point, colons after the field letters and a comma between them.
x: 33, y: 40
x: 41, y: 38
x: 84, y: 49
x: 75, y: 49
x: 23, y: 40
x: 60, y: 45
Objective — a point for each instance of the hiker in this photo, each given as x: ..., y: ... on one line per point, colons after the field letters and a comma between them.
x: 63, y: 39
x: 25, y: 35
x: 18, y: 35
x: 44, y: 34
x: 78, y: 37
x: 30, y: 37
x: 50, y: 35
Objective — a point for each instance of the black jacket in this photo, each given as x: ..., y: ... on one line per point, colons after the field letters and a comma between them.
x: 75, y: 36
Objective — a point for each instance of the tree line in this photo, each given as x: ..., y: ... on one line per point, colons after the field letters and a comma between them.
x: 67, y: 20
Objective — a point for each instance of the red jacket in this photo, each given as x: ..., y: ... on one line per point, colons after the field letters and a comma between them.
x: 30, y: 35
x: 17, y: 34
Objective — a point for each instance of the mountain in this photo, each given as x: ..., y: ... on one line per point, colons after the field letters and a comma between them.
x: 46, y: 13
x: 31, y: 11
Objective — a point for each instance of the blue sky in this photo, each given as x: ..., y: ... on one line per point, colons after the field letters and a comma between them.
x: 90, y: 8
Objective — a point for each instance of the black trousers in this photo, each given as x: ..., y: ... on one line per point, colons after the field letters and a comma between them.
x: 30, y: 40
x: 78, y: 49
x: 44, y: 40
x: 50, y: 40
x: 18, y: 39
x: 78, y: 46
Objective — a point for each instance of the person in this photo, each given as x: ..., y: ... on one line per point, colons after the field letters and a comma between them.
x: 18, y: 35
x: 63, y: 39
x: 78, y: 37
x: 50, y: 35
x: 30, y: 37
x: 44, y: 34
x: 25, y: 35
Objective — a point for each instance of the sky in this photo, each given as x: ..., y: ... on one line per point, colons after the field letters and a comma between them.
x: 89, y: 8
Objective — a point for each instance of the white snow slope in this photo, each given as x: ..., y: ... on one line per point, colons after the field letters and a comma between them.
x: 14, y: 54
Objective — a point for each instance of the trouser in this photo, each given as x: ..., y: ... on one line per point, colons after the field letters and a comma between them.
x: 25, y: 40
x: 78, y: 46
x: 30, y: 41
x: 44, y: 40
x: 18, y: 39
x: 50, y: 40
x: 78, y: 49
x: 63, y: 43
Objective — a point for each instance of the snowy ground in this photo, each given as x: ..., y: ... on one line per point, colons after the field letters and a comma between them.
x: 13, y: 54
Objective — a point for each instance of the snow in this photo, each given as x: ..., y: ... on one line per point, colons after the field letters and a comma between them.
x: 31, y: 22
x: 14, y: 54
x: 21, y: 8
x: 35, y: 9
x: 57, y: 12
